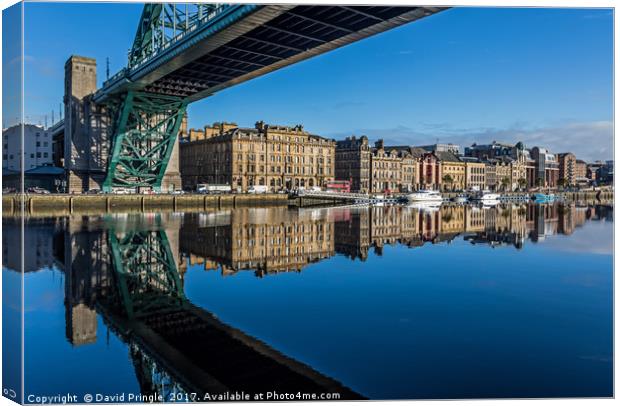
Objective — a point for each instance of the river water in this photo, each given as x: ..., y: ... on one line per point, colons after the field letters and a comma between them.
x: 382, y: 302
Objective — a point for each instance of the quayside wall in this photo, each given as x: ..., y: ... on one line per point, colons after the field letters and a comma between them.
x: 96, y: 204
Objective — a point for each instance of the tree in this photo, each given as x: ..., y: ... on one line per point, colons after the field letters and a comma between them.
x: 522, y: 183
x: 505, y: 183
x: 563, y: 182
x: 447, y: 179
x: 540, y: 182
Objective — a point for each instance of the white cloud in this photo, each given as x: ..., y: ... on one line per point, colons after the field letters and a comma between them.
x: 588, y: 140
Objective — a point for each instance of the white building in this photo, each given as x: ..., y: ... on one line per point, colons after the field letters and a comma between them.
x: 37, y: 147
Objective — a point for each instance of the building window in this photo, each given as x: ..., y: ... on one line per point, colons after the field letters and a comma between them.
x: 38, y: 155
x: 45, y: 155
x: 31, y: 155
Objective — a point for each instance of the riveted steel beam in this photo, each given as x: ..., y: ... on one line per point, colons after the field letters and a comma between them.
x: 144, y: 134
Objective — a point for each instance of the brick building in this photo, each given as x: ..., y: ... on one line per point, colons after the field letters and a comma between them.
x: 353, y: 162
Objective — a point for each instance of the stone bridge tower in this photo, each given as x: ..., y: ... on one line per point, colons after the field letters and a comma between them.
x: 87, y: 140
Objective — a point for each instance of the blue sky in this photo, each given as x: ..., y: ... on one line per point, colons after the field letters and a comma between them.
x: 543, y: 76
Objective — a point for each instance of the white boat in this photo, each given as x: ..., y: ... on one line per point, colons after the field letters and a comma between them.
x: 425, y: 196
x: 425, y: 206
x: 487, y: 196
x: 489, y: 203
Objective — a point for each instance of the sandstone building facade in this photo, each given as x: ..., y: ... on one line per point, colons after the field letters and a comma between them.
x: 279, y: 157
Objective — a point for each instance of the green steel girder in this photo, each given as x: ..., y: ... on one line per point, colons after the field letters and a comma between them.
x: 161, y: 24
x: 143, y: 136
x: 145, y: 273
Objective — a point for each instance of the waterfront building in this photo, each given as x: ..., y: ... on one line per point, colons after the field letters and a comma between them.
x: 452, y: 171
x: 493, y: 150
x: 278, y: 157
x: 429, y: 170
x: 490, y: 173
x: 377, y: 169
x: 392, y: 169
x: 37, y: 148
x: 352, y: 162
x: 567, y: 164
x: 592, y: 170
x: 522, y: 165
x: 581, y: 171
x: 499, y: 173
x: 453, y: 148
x: 547, y: 167
x: 520, y: 169
x: 606, y: 172
x: 475, y: 178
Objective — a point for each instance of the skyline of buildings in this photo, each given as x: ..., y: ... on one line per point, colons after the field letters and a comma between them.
x: 286, y: 158
x: 223, y: 153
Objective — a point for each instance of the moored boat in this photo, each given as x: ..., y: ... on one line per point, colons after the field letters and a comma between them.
x: 486, y: 196
x: 425, y: 205
x: 544, y: 198
x: 460, y: 199
x: 425, y: 196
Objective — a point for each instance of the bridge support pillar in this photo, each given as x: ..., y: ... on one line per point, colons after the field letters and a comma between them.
x: 145, y: 133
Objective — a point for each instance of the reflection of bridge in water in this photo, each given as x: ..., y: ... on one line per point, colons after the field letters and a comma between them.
x: 130, y: 269
x: 126, y: 270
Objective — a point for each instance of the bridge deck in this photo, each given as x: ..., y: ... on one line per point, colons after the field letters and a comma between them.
x: 250, y: 41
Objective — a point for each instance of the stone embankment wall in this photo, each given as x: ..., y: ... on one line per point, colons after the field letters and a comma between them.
x: 97, y: 204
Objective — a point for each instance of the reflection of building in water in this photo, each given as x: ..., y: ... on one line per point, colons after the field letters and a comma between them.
x: 545, y: 221
x: 570, y: 217
x: 86, y: 268
x: 266, y: 240
x: 502, y: 225
x: 83, y: 252
x: 38, y: 244
x: 600, y: 212
x: 377, y: 226
x: 512, y: 224
x: 122, y: 269
x: 474, y: 219
x: 277, y: 240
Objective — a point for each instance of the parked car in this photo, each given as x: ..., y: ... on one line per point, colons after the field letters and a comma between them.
x: 94, y: 192
x: 256, y: 189
x: 177, y: 192
x: 38, y: 190
x: 213, y: 188
x: 8, y: 190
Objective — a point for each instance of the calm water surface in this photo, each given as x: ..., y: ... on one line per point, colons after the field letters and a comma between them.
x: 371, y: 302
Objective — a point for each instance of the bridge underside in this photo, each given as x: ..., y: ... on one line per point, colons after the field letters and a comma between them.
x: 294, y: 35
x: 234, y: 44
